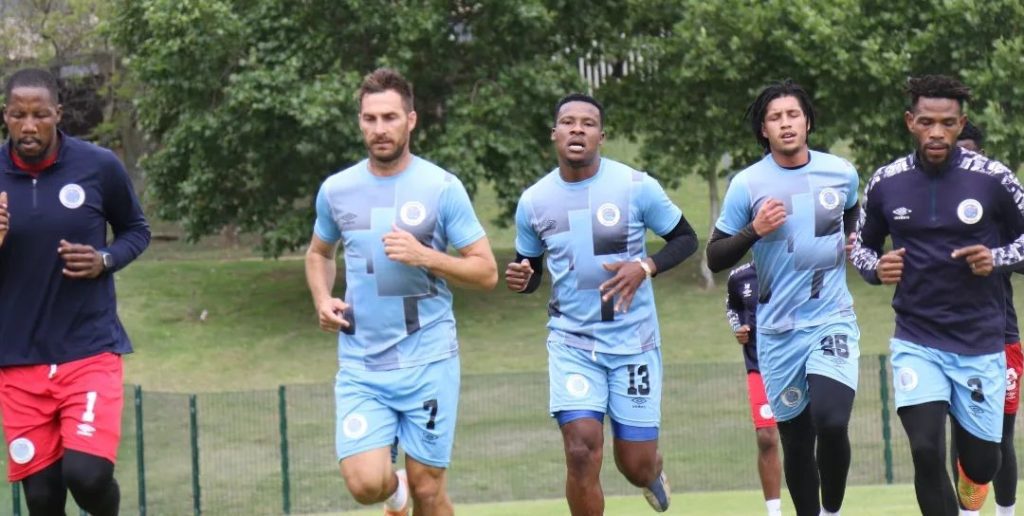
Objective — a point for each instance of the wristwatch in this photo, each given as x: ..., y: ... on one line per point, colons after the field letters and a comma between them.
x: 644, y: 266
x: 108, y: 260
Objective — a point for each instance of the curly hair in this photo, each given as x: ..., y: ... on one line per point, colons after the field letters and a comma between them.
x: 937, y: 87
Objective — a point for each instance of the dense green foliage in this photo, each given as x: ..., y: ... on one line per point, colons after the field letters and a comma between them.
x: 252, y: 101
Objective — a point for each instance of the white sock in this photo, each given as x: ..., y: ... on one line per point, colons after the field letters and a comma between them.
x: 1005, y: 511
x: 827, y: 513
x: 774, y: 507
x: 397, y: 499
x: 964, y: 512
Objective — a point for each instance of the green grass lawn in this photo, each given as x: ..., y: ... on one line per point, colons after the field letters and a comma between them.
x: 211, y: 325
x: 888, y: 500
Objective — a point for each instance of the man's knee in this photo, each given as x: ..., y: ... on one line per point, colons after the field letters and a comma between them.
x: 87, y: 475
x: 582, y: 454
x: 366, y: 489
x: 428, y: 489
x: 981, y: 461
x: 767, y: 440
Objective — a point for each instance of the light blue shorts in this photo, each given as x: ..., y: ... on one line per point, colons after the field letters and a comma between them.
x: 418, y: 405
x: 831, y: 350
x: 626, y: 387
x: 973, y: 385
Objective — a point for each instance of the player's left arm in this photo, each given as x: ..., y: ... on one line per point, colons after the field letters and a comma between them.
x: 983, y: 260
x: 475, y: 266
x: 124, y: 214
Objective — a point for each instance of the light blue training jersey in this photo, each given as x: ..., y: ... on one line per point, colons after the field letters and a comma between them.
x: 800, y: 266
x: 582, y: 226
x: 401, y: 316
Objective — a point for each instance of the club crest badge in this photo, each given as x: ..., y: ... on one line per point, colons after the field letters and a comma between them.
x: 72, y: 196
x: 608, y: 214
x: 412, y: 213
x: 969, y: 211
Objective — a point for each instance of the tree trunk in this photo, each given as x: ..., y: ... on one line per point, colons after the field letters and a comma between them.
x: 707, y: 279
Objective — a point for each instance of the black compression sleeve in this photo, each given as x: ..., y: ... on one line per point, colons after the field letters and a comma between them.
x: 850, y: 220
x: 725, y: 250
x: 537, y: 263
x: 681, y: 242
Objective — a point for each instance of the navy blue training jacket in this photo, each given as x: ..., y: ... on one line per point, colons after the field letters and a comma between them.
x: 931, y: 211
x: 45, y: 317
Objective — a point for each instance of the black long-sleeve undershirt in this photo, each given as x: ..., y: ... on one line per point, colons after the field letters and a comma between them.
x: 725, y: 250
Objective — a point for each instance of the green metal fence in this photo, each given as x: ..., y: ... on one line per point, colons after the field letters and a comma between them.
x: 272, y: 452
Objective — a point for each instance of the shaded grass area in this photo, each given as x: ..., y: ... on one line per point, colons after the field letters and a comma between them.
x: 203, y: 325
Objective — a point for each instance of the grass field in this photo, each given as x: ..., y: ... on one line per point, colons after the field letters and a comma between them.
x: 885, y: 500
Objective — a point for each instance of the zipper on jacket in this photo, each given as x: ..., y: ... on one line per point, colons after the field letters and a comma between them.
x: 34, y: 196
x: 931, y: 191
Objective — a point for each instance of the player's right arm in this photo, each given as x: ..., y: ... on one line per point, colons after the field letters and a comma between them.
x: 321, y: 268
x: 736, y: 231
x: 872, y: 229
x: 523, y: 275
x: 733, y: 307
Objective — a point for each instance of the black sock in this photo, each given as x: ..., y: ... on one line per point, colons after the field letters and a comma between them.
x: 1005, y: 483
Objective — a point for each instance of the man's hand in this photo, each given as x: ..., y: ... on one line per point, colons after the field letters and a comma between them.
x: 4, y: 217
x: 743, y: 334
x: 978, y: 257
x: 330, y: 311
x: 890, y: 266
x: 401, y: 246
x: 628, y: 277
x: 517, y: 275
x: 770, y: 216
x: 851, y: 239
x: 80, y: 261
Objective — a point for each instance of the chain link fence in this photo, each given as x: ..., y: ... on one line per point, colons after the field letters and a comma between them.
x: 272, y: 452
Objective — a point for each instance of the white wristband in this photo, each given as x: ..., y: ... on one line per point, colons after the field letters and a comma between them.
x: 644, y: 266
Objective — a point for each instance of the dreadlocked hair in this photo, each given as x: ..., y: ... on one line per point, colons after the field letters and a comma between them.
x: 757, y: 110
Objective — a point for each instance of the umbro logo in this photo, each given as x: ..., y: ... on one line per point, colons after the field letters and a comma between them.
x: 348, y: 218
x: 546, y: 225
x: 747, y: 291
x: 902, y: 213
x: 86, y: 430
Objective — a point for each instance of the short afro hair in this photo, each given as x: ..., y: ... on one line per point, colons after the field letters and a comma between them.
x: 32, y: 78
x: 580, y: 97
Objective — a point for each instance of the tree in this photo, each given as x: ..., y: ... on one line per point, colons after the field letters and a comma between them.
x: 253, y: 101
x: 709, y: 59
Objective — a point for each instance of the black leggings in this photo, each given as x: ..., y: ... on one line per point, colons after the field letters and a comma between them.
x: 824, y: 422
x: 1005, y: 482
x: 90, y: 479
x: 926, y: 429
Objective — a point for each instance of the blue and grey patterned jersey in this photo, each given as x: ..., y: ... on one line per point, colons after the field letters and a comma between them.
x: 400, y: 316
x: 582, y: 226
x: 939, y: 302
x: 800, y: 266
